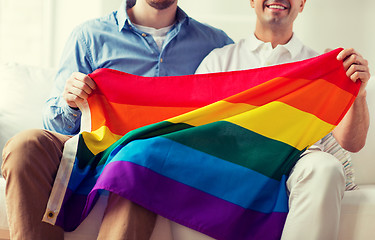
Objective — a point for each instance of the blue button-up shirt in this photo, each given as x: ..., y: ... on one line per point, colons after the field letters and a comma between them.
x: 114, y: 42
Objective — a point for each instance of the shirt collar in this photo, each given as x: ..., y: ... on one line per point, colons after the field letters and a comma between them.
x: 254, y: 43
x: 123, y: 18
x: 294, y: 46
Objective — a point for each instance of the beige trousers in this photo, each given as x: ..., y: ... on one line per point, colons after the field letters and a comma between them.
x: 30, y: 163
x: 317, y: 186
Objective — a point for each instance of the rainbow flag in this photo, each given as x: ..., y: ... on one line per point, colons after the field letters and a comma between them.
x: 211, y: 152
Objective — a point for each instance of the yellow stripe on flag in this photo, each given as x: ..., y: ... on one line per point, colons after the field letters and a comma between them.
x: 100, y: 139
x: 284, y: 123
x: 212, y: 113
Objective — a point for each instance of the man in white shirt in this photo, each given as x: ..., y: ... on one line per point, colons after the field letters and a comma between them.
x: 316, y: 184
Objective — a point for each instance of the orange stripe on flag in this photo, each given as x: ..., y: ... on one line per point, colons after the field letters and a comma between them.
x: 301, y: 99
x: 120, y: 114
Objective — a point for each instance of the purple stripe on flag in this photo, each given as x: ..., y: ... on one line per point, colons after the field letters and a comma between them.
x: 70, y: 215
x: 186, y: 205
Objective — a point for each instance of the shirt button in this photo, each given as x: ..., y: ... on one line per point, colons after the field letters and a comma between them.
x: 161, y: 60
x: 75, y: 115
x: 69, y: 126
x: 144, y: 34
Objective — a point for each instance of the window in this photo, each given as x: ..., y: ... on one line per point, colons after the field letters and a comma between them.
x: 22, y: 32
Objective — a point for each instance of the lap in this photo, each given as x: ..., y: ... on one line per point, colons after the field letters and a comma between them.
x: 31, y: 147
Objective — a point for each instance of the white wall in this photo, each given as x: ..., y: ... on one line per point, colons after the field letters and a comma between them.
x: 20, y: 39
x: 70, y: 13
x: 35, y: 31
x: 237, y: 20
x: 338, y: 23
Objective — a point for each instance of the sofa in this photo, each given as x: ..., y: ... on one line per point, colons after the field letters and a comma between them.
x: 24, y: 89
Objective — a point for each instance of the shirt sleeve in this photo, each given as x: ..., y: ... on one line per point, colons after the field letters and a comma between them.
x: 61, y: 118
x: 76, y: 57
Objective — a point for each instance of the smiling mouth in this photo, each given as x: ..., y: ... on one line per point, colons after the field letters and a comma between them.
x: 276, y: 6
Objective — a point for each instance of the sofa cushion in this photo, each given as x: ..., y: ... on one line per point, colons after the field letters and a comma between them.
x: 23, y: 91
x: 358, y: 214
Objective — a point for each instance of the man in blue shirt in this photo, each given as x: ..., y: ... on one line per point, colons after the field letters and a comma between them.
x: 120, y: 43
x: 148, y: 38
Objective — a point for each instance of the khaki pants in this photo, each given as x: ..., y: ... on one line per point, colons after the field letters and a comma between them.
x: 317, y: 186
x: 30, y: 163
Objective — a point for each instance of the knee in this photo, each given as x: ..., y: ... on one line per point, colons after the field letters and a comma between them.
x: 319, y: 174
x: 18, y: 149
x: 324, y: 167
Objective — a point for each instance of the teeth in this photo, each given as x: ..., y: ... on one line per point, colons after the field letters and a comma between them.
x: 276, y: 7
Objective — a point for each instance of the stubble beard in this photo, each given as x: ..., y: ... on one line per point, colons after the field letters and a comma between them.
x: 161, y: 4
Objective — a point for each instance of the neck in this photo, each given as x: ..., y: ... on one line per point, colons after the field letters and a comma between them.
x: 145, y: 15
x: 276, y: 36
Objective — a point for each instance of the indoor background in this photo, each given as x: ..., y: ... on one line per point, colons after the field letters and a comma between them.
x: 34, y: 32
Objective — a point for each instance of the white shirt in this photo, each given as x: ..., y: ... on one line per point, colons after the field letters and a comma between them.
x: 159, y: 35
x: 252, y: 53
